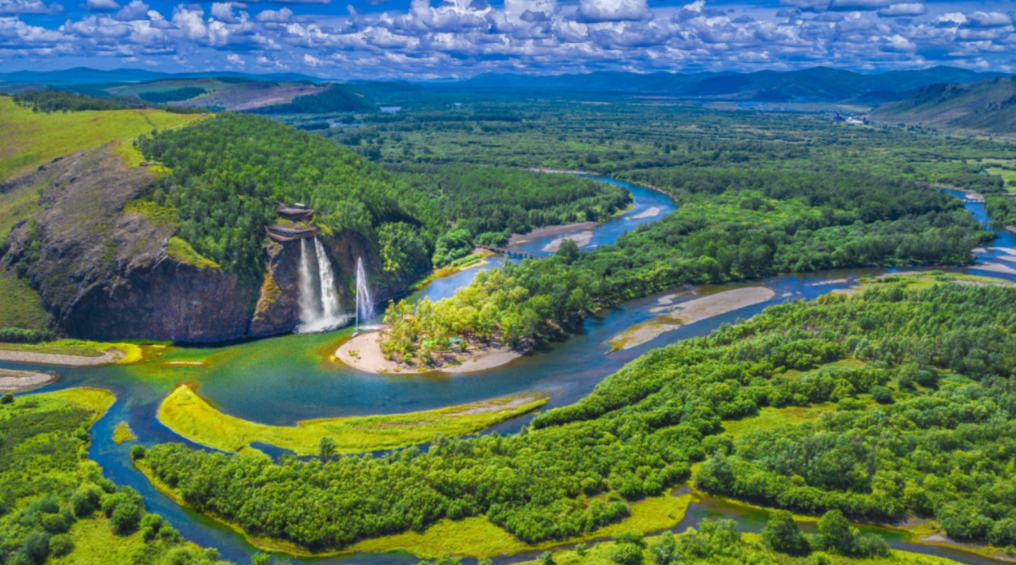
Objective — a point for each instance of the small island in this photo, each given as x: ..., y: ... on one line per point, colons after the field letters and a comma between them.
x: 364, y: 352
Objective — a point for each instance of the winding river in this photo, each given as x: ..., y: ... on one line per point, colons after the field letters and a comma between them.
x: 286, y: 379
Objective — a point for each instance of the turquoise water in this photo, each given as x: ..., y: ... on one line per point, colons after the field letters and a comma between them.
x: 287, y: 379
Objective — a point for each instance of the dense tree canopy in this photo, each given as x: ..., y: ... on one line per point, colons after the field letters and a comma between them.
x: 574, y: 467
x: 230, y: 172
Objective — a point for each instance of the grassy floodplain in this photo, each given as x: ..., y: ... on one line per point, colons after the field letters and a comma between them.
x: 749, y: 549
x: 130, y: 352
x: 191, y: 416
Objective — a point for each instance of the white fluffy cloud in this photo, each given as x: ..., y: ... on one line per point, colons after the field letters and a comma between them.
x: 462, y: 37
x: 136, y: 10
x: 613, y: 10
x: 12, y: 7
x: 904, y: 10
x: 989, y: 19
x: 275, y: 16
x: 102, y: 5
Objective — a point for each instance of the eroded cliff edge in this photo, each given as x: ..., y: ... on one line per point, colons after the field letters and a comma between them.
x: 104, y: 272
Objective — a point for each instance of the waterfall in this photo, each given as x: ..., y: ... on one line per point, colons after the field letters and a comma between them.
x: 308, y: 299
x: 319, y: 303
x: 364, y: 301
x: 329, y: 299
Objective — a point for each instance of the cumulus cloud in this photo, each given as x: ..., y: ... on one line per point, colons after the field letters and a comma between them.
x: 13, y: 7
x: 858, y: 5
x: 136, y: 10
x: 432, y: 38
x: 102, y: 5
x: 808, y: 5
x: 275, y: 16
x: 951, y: 19
x: 904, y: 10
x: 988, y: 19
x: 223, y: 11
x: 613, y: 10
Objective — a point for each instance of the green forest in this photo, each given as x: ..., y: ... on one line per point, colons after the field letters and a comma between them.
x: 942, y: 351
x: 491, y: 203
x: 54, y: 501
x: 758, y: 194
x: 229, y: 173
x: 732, y: 225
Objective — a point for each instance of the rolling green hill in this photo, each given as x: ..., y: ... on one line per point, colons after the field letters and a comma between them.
x: 240, y: 94
x: 987, y: 106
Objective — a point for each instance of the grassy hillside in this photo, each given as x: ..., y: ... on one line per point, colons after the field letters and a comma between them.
x: 31, y: 139
x: 242, y: 95
x: 220, y: 92
x: 988, y: 106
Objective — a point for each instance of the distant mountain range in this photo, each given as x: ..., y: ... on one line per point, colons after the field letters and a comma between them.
x: 84, y: 75
x: 818, y: 84
x: 987, y: 106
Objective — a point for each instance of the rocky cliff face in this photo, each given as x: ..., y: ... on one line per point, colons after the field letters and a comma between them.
x: 278, y: 310
x: 105, y: 274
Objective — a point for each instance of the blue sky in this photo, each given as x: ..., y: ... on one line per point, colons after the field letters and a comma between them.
x: 425, y: 39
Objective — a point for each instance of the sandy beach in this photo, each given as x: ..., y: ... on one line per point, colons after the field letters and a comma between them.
x: 364, y: 353
x: 106, y: 358
x: 581, y: 239
x: 16, y: 381
x: 691, y: 312
x: 550, y: 231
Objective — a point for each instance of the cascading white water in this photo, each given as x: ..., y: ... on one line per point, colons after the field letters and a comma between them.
x: 308, y: 299
x: 364, y: 301
x: 319, y: 303
x: 330, y: 308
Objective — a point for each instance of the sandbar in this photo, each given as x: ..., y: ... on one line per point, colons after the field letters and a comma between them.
x: 368, y: 357
x: 995, y: 268
x: 107, y: 357
x: 581, y: 239
x: 649, y: 213
x: 550, y: 231
x: 691, y: 312
x: 15, y: 381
